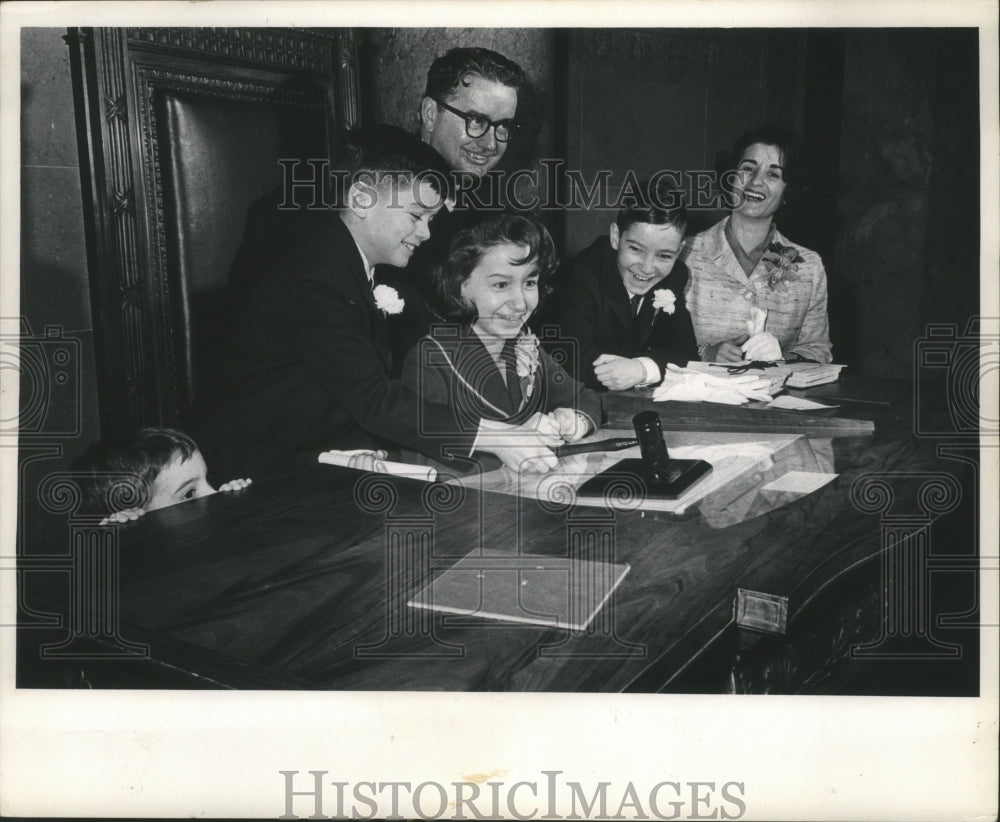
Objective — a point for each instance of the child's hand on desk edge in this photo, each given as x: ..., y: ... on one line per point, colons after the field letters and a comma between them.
x: 128, y: 515
x: 369, y: 461
x: 236, y: 484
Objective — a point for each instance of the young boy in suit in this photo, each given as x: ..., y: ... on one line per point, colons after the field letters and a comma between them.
x: 307, y: 367
x: 620, y: 303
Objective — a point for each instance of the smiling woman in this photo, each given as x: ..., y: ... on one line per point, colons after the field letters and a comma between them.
x: 743, y: 266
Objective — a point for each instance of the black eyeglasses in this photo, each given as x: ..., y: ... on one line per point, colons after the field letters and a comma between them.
x: 476, y: 125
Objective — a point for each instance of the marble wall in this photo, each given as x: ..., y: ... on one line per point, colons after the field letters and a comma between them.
x: 395, y: 61
x: 55, y: 296
x: 651, y: 100
x: 907, y: 251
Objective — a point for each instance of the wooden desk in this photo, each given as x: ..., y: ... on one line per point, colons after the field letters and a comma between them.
x: 302, y: 581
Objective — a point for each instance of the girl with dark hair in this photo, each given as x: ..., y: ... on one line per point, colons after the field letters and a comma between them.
x: 484, y: 362
x: 753, y: 293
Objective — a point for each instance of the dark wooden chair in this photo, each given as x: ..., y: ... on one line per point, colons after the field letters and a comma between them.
x: 180, y: 134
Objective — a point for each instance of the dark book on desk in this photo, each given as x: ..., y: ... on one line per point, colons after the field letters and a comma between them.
x: 556, y: 592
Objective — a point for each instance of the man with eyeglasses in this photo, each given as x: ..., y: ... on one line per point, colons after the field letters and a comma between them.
x: 468, y: 115
x: 468, y: 108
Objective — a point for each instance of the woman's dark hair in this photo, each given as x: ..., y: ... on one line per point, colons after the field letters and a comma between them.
x: 467, y: 249
x: 119, y: 471
x: 787, y: 142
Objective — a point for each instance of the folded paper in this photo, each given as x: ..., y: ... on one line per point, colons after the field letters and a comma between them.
x: 806, y: 375
x: 797, y: 404
x: 799, y: 482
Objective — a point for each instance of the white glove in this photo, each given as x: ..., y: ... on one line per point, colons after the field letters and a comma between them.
x: 755, y: 325
x: 763, y: 347
x: 693, y: 386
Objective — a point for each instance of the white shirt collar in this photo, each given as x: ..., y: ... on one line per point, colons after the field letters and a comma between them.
x: 369, y: 273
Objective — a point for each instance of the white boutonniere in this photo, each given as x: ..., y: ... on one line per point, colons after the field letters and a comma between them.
x: 526, y: 360
x: 387, y: 299
x: 664, y: 300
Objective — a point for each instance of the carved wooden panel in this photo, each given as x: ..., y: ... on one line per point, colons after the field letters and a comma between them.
x: 117, y: 74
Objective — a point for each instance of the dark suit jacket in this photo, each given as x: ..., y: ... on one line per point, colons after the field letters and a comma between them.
x: 306, y: 368
x: 591, y: 309
x: 452, y: 366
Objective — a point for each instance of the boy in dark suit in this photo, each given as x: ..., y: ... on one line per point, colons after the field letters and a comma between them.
x: 620, y: 303
x: 307, y: 366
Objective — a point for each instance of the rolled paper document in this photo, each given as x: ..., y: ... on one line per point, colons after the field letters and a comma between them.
x: 397, y: 469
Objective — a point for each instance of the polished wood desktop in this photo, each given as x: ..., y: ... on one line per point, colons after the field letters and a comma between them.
x: 302, y: 581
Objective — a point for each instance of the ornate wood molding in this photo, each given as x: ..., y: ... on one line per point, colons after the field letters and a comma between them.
x: 286, y: 48
x: 117, y: 75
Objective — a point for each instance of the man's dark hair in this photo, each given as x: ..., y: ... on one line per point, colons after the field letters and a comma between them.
x: 658, y: 208
x: 448, y: 72
x: 381, y: 152
x: 784, y: 139
x: 119, y: 471
x: 467, y: 249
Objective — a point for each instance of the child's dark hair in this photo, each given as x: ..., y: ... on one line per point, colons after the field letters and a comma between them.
x: 118, y: 472
x: 467, y: 249
x: 382, y: 154
x: 661, y: 206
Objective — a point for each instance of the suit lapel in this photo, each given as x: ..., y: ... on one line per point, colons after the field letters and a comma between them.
x: 513, y: 381
x: 614, y: 291
x: 645, y: 319
x: 478, y: 368
x: 720, y: 255
x: 360, y: 289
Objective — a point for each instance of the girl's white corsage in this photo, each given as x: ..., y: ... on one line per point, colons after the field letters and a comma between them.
x: 526, y: 360
x: 387, y: 299
x: 664, y: 300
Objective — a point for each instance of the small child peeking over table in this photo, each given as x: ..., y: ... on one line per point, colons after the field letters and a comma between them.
x: 145, y: 470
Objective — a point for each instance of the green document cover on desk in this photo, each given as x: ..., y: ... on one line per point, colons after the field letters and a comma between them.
x: 556, y: 592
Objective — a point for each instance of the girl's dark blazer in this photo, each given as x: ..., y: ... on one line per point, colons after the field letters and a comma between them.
x: 451, y: 366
